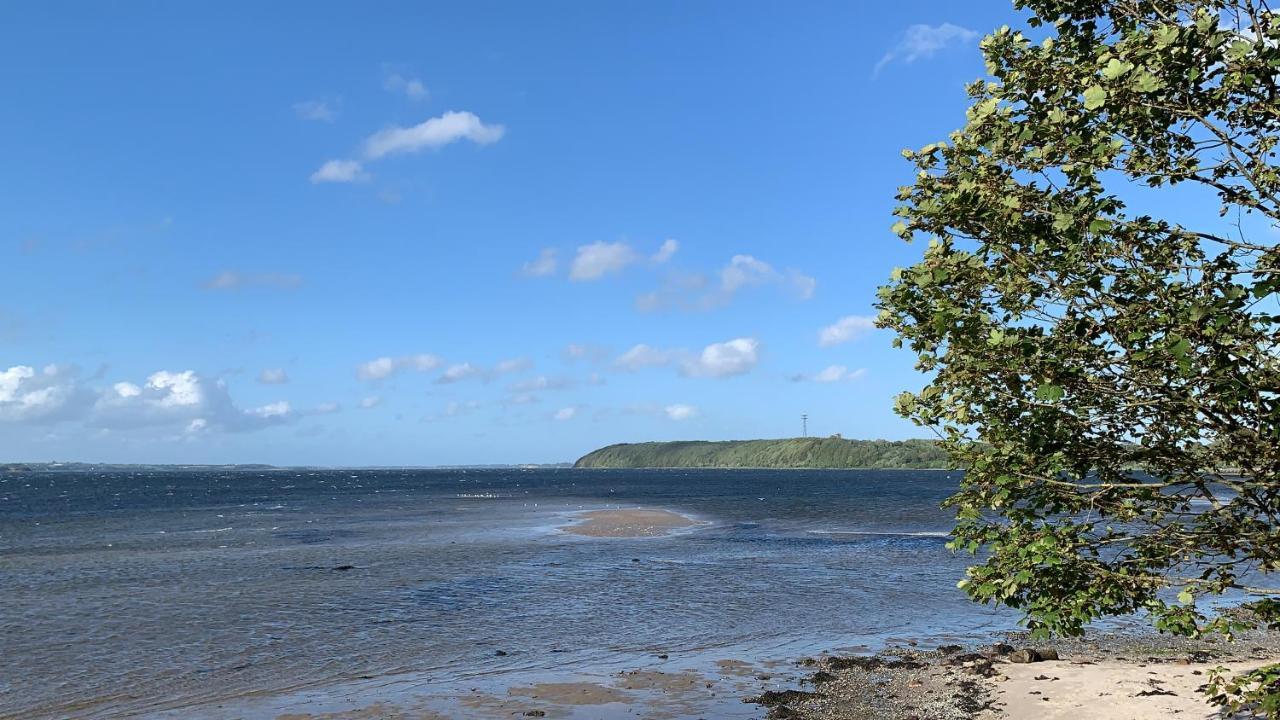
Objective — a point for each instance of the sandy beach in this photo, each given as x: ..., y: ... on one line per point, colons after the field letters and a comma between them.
x: 1122, y: 677
x: 636, y: 522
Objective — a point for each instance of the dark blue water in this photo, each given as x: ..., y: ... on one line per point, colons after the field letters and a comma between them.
x: 127, y: 594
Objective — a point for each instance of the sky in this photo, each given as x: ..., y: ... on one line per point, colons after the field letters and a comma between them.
x: 457, y: 233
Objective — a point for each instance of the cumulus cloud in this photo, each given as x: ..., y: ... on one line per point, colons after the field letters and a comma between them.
x: 831, y: 374
x: 47, y: 395
x: 326, y: 408
x: 665, y: 253
x: 432, y: 134
x: 273, y: 376
x: 565, y: 413
x: 732, y: 357
x: 317, y: 110
x: 542, y: 266
x: 847, y: 328
x: 598, y: 259
x: 233, y: 280
x: 921, y: 42
x: 384, y: 367
x: 340, y: 171
x: 183, y: 398
x: 176, y: 398
x: 411, y: 88
x: 680, y: 411
x: 372, y: 401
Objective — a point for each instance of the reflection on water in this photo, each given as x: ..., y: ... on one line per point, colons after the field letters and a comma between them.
x: 133, y: 593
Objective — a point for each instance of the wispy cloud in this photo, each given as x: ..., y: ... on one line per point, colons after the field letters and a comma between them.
x: 432, y: 134
x: 542, y: 266
x: 273, y: 376
x: 831, y: 374
x: 340, y: 171
x: 680, y: 411
x: 410, y: 87
x: 384, y: 367
x: 845, y: 329
x: 921, y: 42
x: 697, y: 292
x: 598, y: 259
x: 666, y: 251
x: 316, y: 110
x: 234, y: 280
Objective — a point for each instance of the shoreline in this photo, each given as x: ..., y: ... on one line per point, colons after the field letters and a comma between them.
x: 1109, y: 676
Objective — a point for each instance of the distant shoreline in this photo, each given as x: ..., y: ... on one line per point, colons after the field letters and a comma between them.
x: 804, y: 453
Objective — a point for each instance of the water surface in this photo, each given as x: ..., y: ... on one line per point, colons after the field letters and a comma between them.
x: 133, y: 594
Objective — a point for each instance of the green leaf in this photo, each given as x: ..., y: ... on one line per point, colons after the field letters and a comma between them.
x: 1095, y: 97
x: 1050, y: 392
x: 1114, y: 69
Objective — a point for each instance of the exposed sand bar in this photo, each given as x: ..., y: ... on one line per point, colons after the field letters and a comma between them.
x: 636, y: 522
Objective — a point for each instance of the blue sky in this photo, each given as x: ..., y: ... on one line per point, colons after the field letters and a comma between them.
x: 457, y: 233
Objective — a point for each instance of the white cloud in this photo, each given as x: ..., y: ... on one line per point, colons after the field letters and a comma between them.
x: 326, y: 408
x: 412, y: 88
x: 696, y: 292
x: 565, y: 413
x: 743, y: 271
x: 384, y: 367
x: 273, y: 376
x: 665, y: 253
x: 318, y: 110
x: 340, y: 171
x: 233, y: 280
x: 845, y: 329
x: 832, y: 373
x: 598, y: 259
x: 182, y: 398
x: 272, y: 410
x: 371, y: 401
x: 680, y: 411
x: 542, y: 266
x: 47, y: 395
x: 921, y: 42
x: 540, y: 383
x: 643, y: 356
x: 574, y: 352
x: 177, y: 398
x: 459, y: 372
x: 513, y: 365
x: 431, y: 134
x: 732, y: 357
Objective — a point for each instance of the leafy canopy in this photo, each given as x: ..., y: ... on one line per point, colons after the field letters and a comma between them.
x: 1073, y: 339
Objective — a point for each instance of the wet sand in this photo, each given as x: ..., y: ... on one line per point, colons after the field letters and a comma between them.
x: 636, y: 522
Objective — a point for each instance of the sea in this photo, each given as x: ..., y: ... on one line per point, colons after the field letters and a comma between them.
x: 452, y: 593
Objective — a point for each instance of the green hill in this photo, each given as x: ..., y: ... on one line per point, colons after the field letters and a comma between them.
x: 832, y: 452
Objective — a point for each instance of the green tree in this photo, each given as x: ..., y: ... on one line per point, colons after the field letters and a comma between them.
x: 1109, y: 380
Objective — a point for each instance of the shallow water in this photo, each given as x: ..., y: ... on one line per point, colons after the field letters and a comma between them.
x: 135, y: 594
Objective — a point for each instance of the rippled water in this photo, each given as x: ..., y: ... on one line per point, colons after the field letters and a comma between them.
x: 130, y: 594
